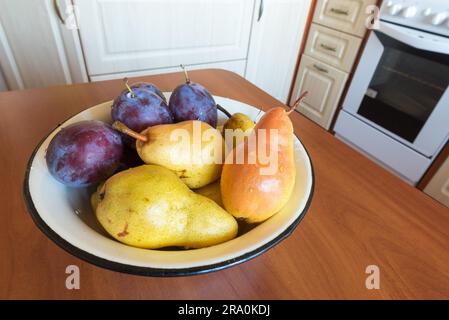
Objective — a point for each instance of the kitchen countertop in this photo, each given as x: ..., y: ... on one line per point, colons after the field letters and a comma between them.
x: 360, y: 215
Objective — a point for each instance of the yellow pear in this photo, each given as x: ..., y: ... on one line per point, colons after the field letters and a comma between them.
x: 212, y: 191
x: 192, y: 149
x: 150, y: 207
x: 240, y: 126
x: 94, y: 200
x: 95, y: 197
x: 239, y: 121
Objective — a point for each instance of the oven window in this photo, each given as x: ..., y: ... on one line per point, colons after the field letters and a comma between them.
x: 405, y: 89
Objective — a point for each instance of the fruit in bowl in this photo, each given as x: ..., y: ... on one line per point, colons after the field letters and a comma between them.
x: 212, y: 191
x: 150, y: 207
x: 237, y: 127
x: 140, y: 106
x: 192, y: 149
x: 256, y: 190
x: 141, y: 209
x: 150, y: 87
x: 192, y: 101
x: 84, y: 153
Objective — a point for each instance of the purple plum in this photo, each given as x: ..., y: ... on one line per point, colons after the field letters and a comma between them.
x: 140, y: 109
x: 192, y: 101
x: 149, y: 86
x: 84, y: 153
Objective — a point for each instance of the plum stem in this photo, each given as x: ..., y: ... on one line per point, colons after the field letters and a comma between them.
x: 226, y: 112
x: 125, y: 80
x: 185, y: 73
x: 124, y: 129
x: 297, y: 102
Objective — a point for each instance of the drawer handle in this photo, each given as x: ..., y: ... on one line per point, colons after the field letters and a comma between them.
x: 58, y: 11
x: 259, y: 16
x: 320, y: 69
x: 328, y: 48
x: 340, y: 11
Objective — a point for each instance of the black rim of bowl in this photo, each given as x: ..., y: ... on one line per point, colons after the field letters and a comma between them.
x: 148, y: 271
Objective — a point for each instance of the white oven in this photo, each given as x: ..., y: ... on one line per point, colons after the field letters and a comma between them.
x: 397, y: 106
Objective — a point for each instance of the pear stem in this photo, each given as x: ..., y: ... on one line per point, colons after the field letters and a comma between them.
x: 125, y: 80
x: 185, y: 73
x: 124, y: 129
x: 297, y: 102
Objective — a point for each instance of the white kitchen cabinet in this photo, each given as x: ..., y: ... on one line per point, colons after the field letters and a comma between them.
x: 324, y: 84
x: 345, y: 15
x: 237, y: 66
x: 438, y: 187
x: 36, y: 50
x: 275, y: 41
x: 130, y: 36
x: 333, y: 47
x: 256, y: 39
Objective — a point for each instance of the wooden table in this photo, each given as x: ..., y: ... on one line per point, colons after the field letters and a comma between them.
x: 361, y: 215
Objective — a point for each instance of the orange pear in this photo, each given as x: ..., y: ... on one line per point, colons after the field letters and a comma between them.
x: 258, y: 187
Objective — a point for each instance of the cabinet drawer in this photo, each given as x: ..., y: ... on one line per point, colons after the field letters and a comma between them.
x: 344, y: 15
x: 332, y: 47
x: 324, y: 84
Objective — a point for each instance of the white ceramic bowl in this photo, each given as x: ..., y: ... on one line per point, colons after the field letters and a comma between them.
x: 65, y: 216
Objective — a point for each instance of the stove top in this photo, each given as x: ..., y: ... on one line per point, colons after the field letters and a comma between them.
x: 426, y: 15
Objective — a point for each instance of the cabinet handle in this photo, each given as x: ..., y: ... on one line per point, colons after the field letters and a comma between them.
x: 58, y: 10
x: 260, y: 11
x: 339, y: 11
x: 328, y: 48
x: 320, y: 69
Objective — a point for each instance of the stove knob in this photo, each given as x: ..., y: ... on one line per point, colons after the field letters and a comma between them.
x: 394, y: 9
x: 439, y: 18
x: 427, y: 12
x: 410, y: 12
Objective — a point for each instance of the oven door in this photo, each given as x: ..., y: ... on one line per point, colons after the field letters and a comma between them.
x: 401, y: 87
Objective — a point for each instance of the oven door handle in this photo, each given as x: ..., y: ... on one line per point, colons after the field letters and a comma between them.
x: 417, y: 39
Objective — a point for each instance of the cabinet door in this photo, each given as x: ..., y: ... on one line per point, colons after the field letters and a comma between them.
x: 344, y: 15
x: 324, y: 84
x: 133, y: 35
x: 438, y: 187
x: 36, y: 50
x: 335, y: 48
x: 278, y: 29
